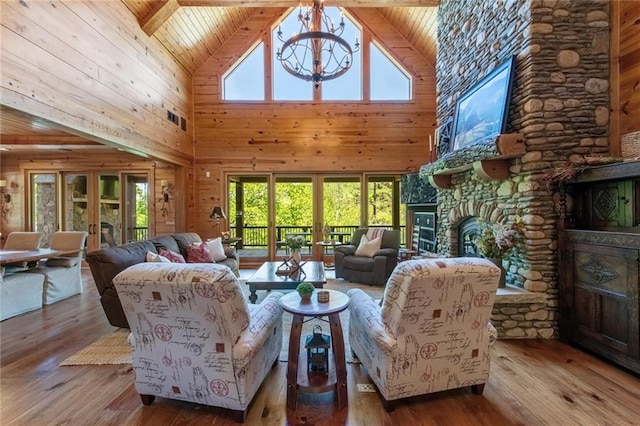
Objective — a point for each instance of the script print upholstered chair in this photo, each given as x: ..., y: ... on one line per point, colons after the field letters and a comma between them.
x: 432, y: 332
x: 373, y: 268
x: 194, y: 337
x: 63, y: 274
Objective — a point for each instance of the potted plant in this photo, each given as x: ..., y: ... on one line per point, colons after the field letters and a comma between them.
x: 496, y: 241
x: 305, y: 290
x: 295, y: 243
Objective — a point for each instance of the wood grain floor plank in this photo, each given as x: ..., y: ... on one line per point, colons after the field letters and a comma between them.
x: 532, y: 382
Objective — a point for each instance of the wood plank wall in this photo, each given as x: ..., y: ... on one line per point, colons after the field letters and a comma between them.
x: 629, y: 66
x: 304, y: 136
x: 88, y: 66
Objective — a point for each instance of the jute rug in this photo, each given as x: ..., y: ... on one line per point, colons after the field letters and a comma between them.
x: 114, y: 349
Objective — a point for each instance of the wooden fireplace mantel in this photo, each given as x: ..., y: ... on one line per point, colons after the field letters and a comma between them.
x: 490, y: 160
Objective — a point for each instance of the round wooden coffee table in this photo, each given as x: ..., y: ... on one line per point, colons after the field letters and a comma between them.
x: 298, y: 378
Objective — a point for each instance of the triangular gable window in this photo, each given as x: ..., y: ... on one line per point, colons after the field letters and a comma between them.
x: 389, y: 82
x: 245, y: 80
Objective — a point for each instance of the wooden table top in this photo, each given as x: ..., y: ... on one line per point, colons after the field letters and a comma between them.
x: 292, y: 303
x: 313, y: 273
x: 14, y: 255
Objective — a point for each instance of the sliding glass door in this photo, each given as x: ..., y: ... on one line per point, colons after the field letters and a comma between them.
x: 263, y: 210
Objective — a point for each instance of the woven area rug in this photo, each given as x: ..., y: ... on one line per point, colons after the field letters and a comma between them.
x: 114, y: 349
x: 110, y: 349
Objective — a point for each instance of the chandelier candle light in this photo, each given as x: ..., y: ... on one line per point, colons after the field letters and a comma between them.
x: 318, y: 52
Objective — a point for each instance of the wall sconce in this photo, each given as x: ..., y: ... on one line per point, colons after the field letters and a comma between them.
x: 4, y: 200
x: 165, y: 186
x: 217, y: 213
x: 165, y: 190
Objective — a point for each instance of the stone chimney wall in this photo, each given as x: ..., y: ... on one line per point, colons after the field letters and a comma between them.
x: 560, y: 103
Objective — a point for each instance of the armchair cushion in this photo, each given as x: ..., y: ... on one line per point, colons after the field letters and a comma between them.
x: 198, y: 253
x: 217, y: 250
x: 155, y: 257
x: 368, y: 247
x: 172, y: 256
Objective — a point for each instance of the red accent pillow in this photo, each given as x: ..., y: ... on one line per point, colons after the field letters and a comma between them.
x: 172, y: 256
x: 198, y: 253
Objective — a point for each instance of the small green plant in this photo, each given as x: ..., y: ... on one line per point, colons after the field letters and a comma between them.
x: 305, y: 288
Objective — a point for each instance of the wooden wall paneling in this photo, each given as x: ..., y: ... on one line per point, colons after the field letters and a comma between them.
x: 58, y: 52
x: 15, y: 169
x: 309, y: 136
x: 629, y: 63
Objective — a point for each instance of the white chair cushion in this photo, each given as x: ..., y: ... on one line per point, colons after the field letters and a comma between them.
x: 368, y: 248
x: 216, y: 249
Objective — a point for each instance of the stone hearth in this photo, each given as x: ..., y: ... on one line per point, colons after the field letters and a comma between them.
x: 560, y: 106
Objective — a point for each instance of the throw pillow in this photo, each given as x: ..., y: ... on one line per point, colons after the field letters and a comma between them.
x: 172, y: 256
x: 67, y: 262
x: 368, y: 248
x: 198, y: 253
x: 216, y: 249
x: 154, y: 257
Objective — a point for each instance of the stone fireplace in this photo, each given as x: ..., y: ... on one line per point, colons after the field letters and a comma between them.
x: 559, y: 106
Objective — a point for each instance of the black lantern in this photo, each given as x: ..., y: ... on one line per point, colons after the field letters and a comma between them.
x: 318, y: 345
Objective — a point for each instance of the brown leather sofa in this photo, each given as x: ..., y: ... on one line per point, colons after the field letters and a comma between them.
x: 368, y: 270
x: 108, y: 262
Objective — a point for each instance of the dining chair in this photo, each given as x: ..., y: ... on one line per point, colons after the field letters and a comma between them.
x: 62, y: 274
x: 20, y: 240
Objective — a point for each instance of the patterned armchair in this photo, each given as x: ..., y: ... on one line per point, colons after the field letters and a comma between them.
x: 432, y: 332
x: 194, y: 337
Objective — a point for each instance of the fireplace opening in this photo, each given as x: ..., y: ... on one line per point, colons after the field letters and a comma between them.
x: 468, y: 231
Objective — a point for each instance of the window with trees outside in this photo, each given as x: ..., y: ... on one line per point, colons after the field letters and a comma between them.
x: 388, y: 80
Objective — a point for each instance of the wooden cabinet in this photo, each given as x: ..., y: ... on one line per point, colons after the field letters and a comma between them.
x: 600, y: 264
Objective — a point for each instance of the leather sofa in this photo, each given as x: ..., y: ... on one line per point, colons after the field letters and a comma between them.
x: 108, y: 262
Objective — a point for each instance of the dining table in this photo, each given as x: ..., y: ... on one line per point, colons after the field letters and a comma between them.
x: 8, y: 256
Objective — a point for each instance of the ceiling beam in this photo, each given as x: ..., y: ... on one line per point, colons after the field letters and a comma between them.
x: 295, y: 3
x: 160, y: 13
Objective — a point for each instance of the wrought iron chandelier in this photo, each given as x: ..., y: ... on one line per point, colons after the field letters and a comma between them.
x: 318, y: 52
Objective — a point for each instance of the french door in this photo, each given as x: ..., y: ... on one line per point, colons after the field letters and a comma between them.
x: 113, y: 207
x: 266, y: 209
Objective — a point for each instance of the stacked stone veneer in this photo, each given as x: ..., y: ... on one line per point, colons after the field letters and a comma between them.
x: 560, y: 104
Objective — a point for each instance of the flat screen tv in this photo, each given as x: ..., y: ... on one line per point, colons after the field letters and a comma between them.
x: 481, y: 112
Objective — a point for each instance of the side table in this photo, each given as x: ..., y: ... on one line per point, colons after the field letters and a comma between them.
x: 298, y: 378
x: 325, y: 245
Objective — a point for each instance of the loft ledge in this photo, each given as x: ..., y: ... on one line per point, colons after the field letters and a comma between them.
x: 487, y: 157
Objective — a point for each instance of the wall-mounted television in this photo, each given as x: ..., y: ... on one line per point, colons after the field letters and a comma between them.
x: 481, y: 112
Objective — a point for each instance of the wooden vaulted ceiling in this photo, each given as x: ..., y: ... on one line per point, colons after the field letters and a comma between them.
x: 194, y: 30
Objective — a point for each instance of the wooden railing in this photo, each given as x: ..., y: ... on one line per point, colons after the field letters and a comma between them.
x: 257, y: 236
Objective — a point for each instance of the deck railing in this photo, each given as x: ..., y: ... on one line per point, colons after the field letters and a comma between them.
x: 257, y: 236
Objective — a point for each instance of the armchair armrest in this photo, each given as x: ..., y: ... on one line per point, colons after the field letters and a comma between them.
x: 367, y: 315
x: 387, y: 252
x: 262, y: 319
x: 346, y: 249
x: 231, y: 252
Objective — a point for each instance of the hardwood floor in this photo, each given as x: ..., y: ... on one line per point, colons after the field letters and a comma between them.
x: 532, y: 383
